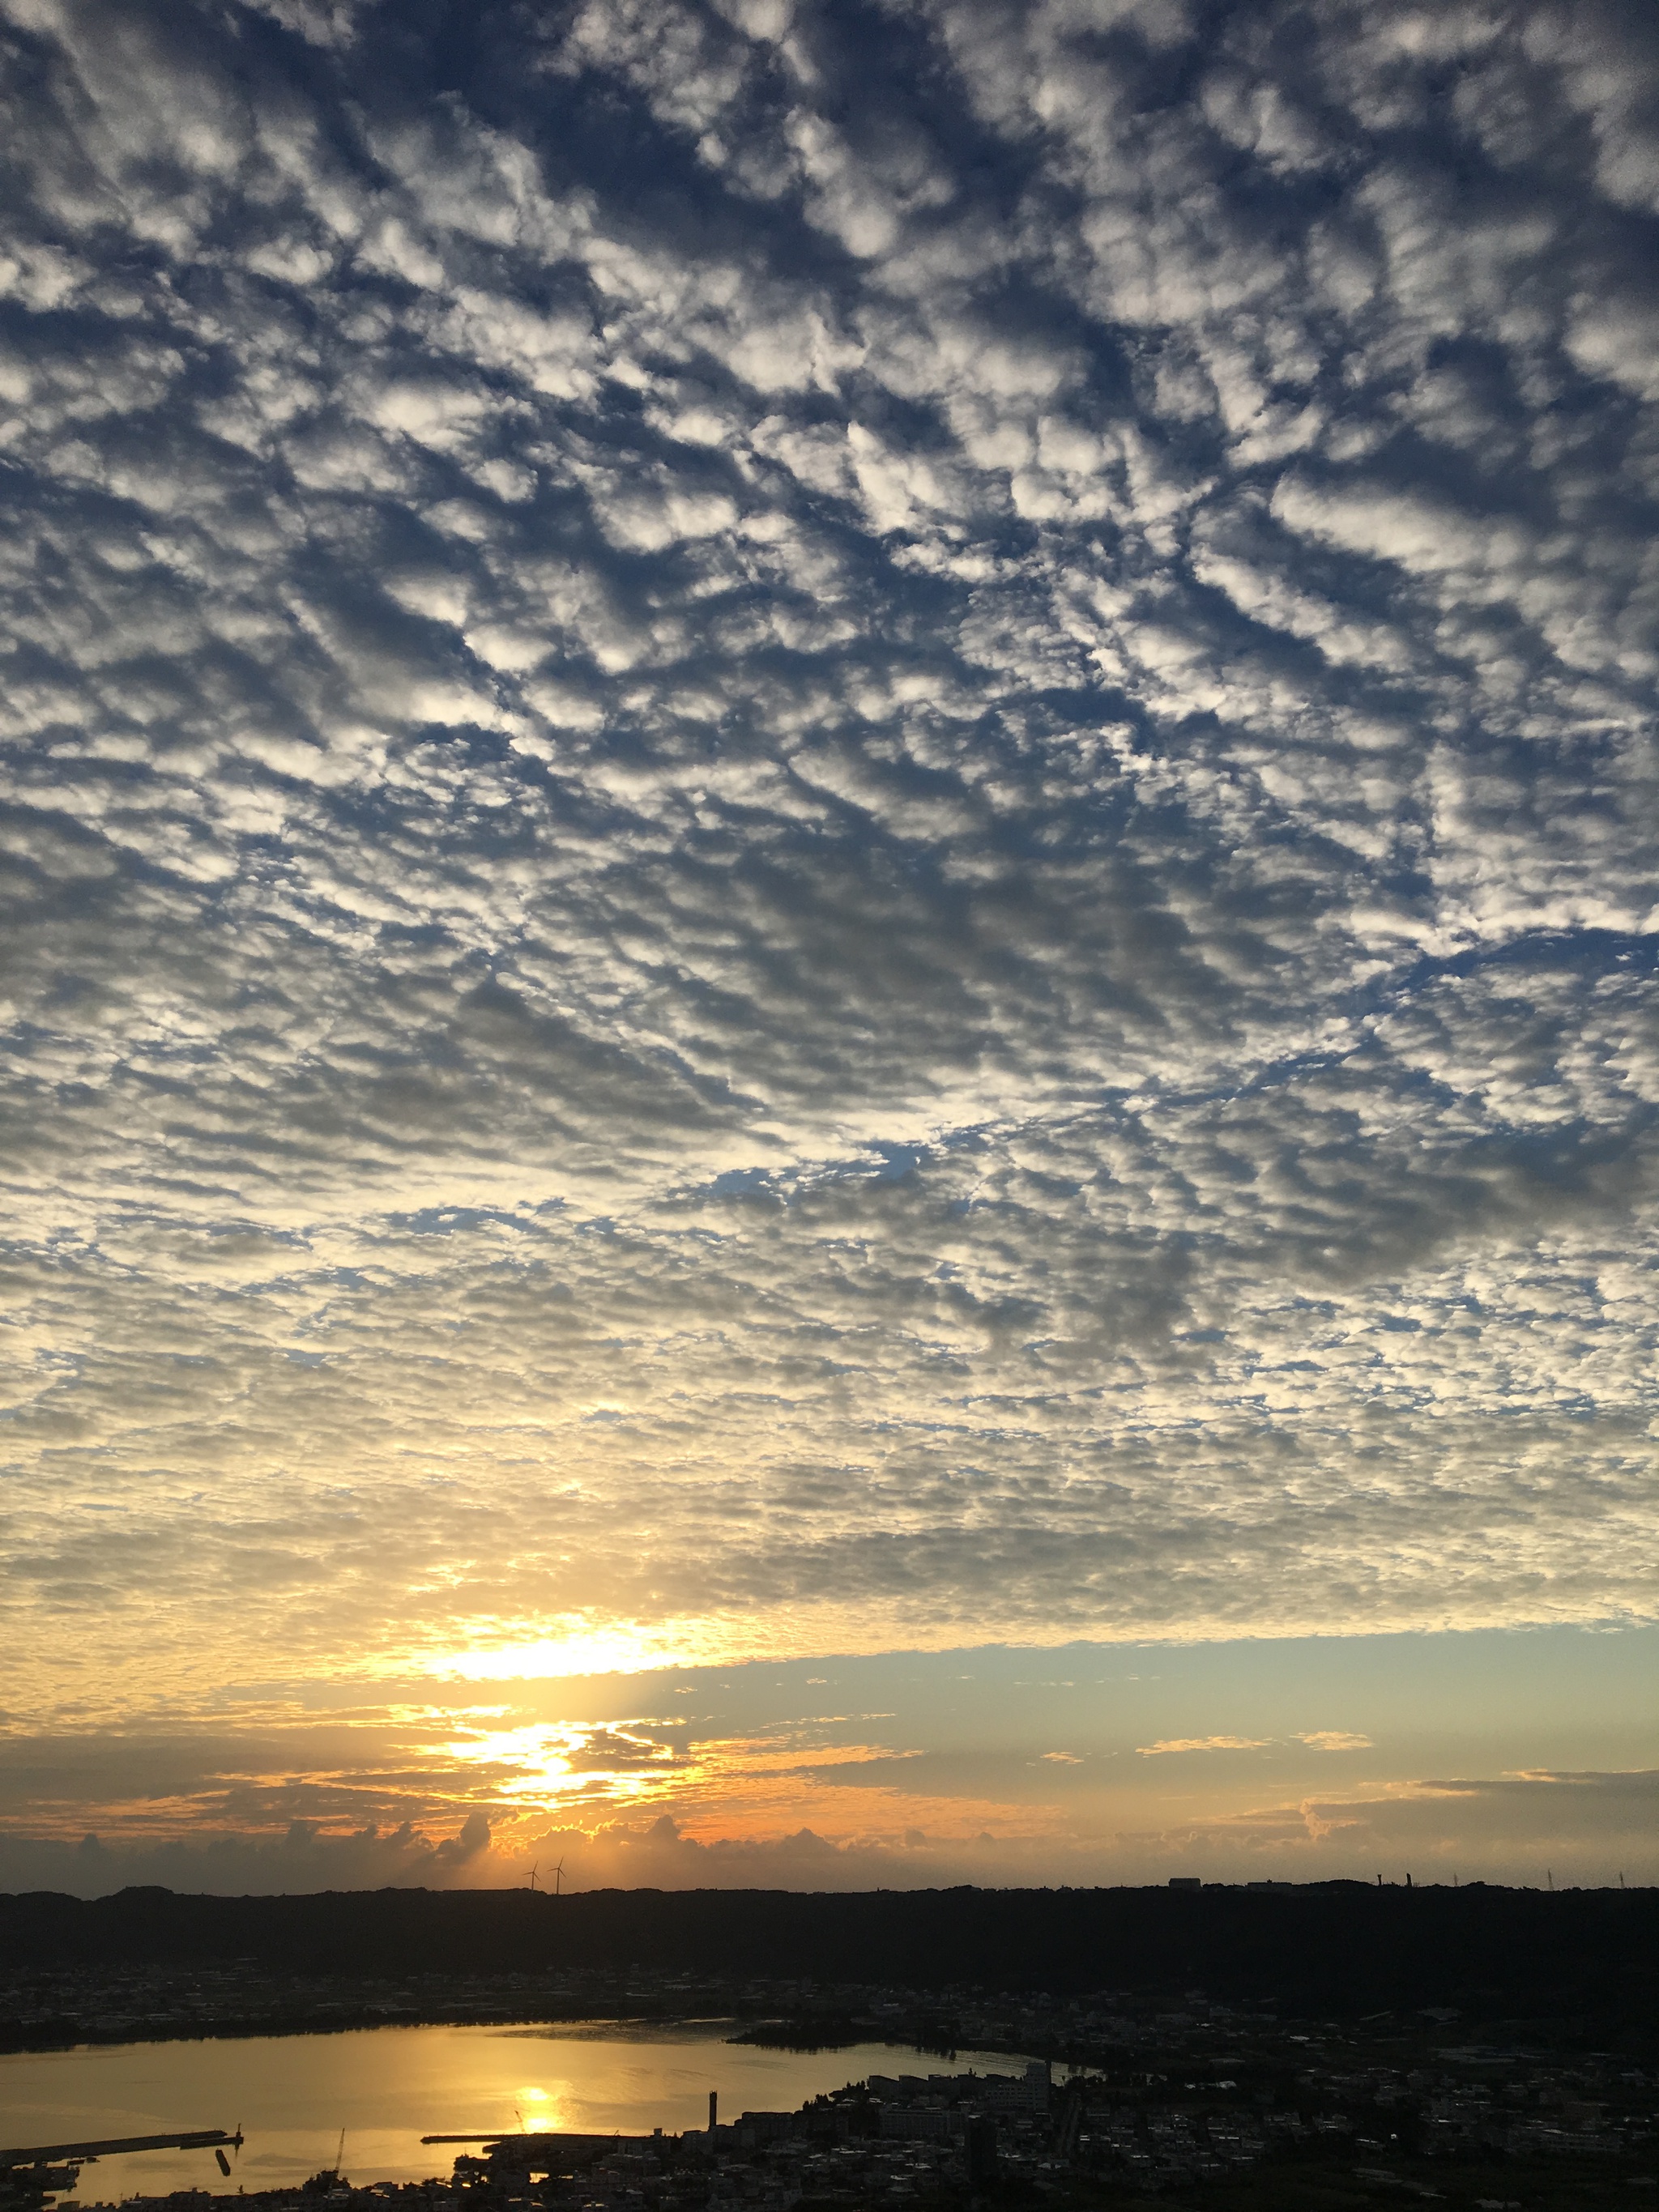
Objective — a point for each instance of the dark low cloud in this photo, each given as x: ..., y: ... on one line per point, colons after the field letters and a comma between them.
x: 1088, y: 1762
x: 834, y: 821
x: 1571, y: 1829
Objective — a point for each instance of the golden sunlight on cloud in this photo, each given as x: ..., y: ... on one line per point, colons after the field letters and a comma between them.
x: 986, y: 1764
x: 1203, y: 1743
x: 540, y: 1767
x: 576, y: 1645
x: 592, y: 1642
x: 598, y: 1778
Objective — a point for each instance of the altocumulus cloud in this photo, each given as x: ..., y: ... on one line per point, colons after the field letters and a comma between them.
x: 819, y: 817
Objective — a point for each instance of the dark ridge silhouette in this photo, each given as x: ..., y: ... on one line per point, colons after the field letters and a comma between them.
x: 1329, y: 1948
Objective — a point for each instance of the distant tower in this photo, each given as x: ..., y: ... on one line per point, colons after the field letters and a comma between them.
x: 714, y: 2107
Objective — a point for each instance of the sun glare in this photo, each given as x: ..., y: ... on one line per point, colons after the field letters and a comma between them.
x: 551, y: 1764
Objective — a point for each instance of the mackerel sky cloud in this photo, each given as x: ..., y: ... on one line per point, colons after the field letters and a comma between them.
x: 826, y: 829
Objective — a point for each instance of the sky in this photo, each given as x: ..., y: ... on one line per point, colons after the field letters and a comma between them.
x: 830, y: 912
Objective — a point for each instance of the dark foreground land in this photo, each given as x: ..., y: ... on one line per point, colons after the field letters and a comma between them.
x: 1292, y: 2049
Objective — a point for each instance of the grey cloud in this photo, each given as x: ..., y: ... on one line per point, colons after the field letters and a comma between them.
x: 888, y: 858
x: 1598, y: 1824
x: 1586, y: 1828
x: 233, y: 1865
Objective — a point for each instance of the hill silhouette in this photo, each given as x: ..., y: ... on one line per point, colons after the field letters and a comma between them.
x: 1327, y: 1948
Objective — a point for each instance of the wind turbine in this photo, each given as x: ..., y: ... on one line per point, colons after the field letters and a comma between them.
x: 558, y: 1879
x: 534, y: 1871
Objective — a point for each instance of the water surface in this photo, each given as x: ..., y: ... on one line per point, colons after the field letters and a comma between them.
x: 387, y: 2087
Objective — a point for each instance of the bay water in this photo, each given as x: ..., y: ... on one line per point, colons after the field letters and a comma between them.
x: 387, y: 2087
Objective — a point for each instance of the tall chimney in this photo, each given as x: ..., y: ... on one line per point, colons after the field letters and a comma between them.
x: 713, y: 2106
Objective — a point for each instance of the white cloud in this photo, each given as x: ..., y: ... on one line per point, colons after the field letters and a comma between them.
x: 951, y: 794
